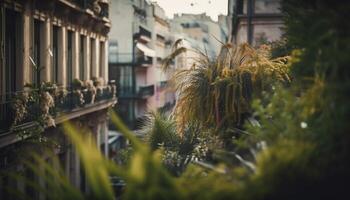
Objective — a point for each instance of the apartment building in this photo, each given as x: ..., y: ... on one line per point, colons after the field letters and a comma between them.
x: 255, y: 21
x: 53, y: 68
x: 137, y: 45
x: 164, y: 98
x: 201, y: 29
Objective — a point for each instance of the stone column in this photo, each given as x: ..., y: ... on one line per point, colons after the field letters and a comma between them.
x: 27, y: 34
x: 95, y: 58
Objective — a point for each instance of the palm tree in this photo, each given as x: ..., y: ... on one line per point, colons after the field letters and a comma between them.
x: 219, y: 92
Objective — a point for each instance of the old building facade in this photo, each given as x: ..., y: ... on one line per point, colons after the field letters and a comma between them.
x: 53, y: 68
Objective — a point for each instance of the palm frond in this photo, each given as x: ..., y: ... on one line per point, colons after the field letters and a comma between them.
x: 220, y: 91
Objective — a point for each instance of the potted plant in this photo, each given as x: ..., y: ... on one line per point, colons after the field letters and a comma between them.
x: 78, y: 97
x: 91, y: 91
x: 77, y: 84
x: 98, y: 83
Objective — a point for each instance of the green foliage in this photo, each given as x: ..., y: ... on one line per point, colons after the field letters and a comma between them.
x: 218, y: 93
x: 178, y: 152
x: 160, y: 131
x: 305, y: 126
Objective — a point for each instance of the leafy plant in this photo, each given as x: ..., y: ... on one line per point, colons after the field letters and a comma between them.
x: 218, y: 93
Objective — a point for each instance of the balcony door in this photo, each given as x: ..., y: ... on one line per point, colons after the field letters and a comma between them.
x: 70, y: 58
x: 11, y: 47
x: 37, y: 52
x: 9, y: 57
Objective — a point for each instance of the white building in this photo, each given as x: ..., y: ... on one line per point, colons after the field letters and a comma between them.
x: 138, y: 43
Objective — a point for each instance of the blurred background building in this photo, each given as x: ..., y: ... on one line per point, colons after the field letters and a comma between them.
x: 255, y: 21
x: 139, y: 40
x: 200, y: 29
x: 52, y: 48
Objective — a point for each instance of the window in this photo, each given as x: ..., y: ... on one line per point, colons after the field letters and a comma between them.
x: 267, y: 6
x: 102, y: 53
x: 125, y: 80
x: 113, y: 52
x: 10, y: 42
x: 11, y: 47
x: 239, y: 7
x: 70, y: 58
x: 54, y: 71
x: 36, y: 52
x: 81, y: 58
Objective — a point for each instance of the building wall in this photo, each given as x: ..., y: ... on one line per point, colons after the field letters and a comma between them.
x: 122, y: 15
x: 90, y: 58
x: 161, y: 37
x: 266, y: 21
x: 198, y: 29
x: 133, y: 19
x: 267, y: 6
x: 27, y: 67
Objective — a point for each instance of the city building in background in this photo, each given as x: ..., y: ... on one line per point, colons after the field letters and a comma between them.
x: 255, y: 21
x: 58, y: 50
x: 138, y: 43
x: 200, y: 29
x: 164, y: 98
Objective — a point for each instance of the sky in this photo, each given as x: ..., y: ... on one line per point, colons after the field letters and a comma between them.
x: 212, y: 7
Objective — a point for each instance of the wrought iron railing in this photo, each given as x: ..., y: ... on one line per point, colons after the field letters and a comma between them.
x: 144, y: 60
x: 65, y: 100
x: 126, y: 92
x: 89, y: 4
x: 127, y: 58
x: 145, y: 32
x: 146, y: 91
x: 83, y: 3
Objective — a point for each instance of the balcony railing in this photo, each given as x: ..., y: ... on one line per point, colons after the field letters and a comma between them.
x: 142, y: 92
x: 144, y: 60
x: 120, y: 58
x: 89, y: 4
x: 146, y: 91
x: 162, y: 84
x: 127, y: 58
x: 126, y: 92
x: 140, y: 11
x: 83, y: 3
x: 64, y: 101
x: 144, y: 32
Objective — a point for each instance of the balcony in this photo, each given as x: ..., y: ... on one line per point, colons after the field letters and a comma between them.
x: 120, y: 58
x: 140, y: 60
x: 142, y: 92
x: 89, y: 14
x: 126, y: 92
x: 143, y: 35
x: 100, y: 8
x: 83, y: 3
x: 141, y: 12
x: 146, y: 91
x: 29, y: 105
x: 162, y: 85
x: 144, y: 61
